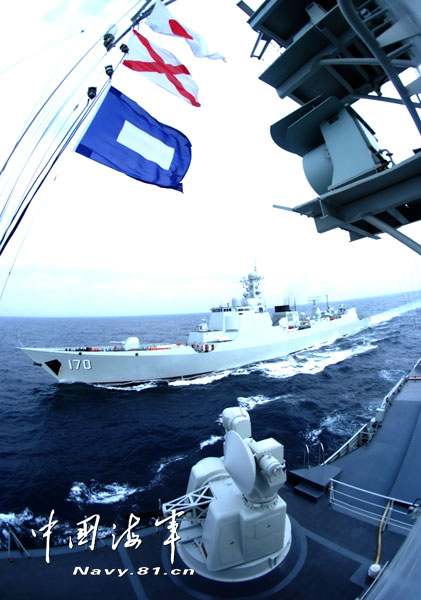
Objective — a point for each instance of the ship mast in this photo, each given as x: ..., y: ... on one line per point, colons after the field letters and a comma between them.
x: 252, y: 296
x: 361, y: 190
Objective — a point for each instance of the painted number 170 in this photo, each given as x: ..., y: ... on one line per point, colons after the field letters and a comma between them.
x: 75, y: 364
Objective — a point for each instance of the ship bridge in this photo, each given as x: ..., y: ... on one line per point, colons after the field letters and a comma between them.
x: 333, y: 53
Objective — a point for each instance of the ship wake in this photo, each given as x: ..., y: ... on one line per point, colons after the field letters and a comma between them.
x: 392, y: 313
x: 309, y: 362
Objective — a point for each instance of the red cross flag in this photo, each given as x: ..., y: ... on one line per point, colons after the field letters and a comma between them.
x: 161, y: 67
x: 162, y: 21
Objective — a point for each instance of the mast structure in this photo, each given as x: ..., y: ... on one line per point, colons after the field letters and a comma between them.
x: 336, y: 53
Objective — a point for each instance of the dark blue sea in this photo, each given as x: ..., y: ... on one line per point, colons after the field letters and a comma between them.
x: 84, y: 450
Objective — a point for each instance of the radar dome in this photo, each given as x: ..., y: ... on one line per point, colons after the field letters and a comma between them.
x: 131, y: 343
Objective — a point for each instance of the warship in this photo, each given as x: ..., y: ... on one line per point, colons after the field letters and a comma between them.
x: 349, y: 526
x: 237, y: 334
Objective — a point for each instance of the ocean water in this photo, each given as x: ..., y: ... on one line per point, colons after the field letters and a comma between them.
x: 82, y: 450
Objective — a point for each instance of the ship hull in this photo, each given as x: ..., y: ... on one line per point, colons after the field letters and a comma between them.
x: 174, y: 361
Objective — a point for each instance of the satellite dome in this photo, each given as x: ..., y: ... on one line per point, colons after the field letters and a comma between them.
x: 131, y: 343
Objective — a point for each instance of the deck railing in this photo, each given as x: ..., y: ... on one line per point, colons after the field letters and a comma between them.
x: 373, y: 507
x: 12, y: 537
x: 365, y: 434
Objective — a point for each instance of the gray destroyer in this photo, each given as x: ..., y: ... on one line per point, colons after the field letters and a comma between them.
x: 238, y: 333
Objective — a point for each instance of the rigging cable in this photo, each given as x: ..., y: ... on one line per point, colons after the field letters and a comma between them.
x: 32, y: 121
x: 44, y: 104
x: 61, y: 146
x: 54, y: 44
x: 22, y: 60
x: 35, y: 147
x: 58, y: 42
x: 141, y: 14
x: 64, y: 142
x: 58, y: 152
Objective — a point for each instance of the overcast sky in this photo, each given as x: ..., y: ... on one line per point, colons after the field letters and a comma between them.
x: 100, y: 243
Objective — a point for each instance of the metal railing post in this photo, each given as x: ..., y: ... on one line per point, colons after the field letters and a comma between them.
x: 331, y: 492
x: 306, y: 458
x: 321, y: 453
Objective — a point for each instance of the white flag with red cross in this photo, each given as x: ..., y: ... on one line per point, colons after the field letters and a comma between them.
x: 161, y: 67
x: 161, y: 20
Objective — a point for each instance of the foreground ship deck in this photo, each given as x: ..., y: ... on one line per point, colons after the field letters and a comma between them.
x: 336, y: 510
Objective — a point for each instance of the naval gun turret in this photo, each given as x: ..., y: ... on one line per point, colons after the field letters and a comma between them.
x: 235, y: 525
